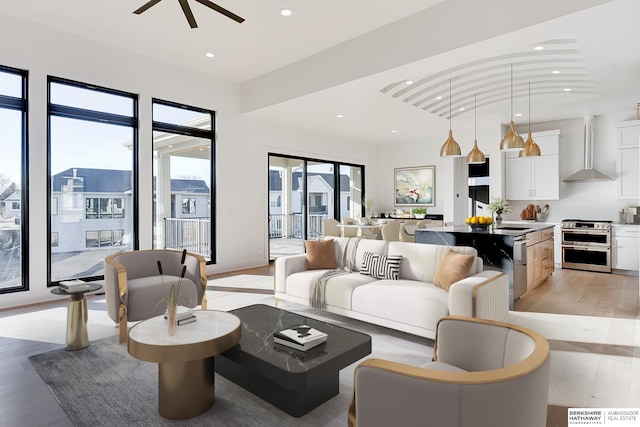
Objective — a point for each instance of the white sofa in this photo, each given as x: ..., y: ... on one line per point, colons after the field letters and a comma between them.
x: 411, y: 304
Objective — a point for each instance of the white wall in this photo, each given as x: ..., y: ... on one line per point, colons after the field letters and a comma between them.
x: 242, y: 142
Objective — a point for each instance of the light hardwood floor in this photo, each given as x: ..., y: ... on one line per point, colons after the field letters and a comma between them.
x: 25, y: 401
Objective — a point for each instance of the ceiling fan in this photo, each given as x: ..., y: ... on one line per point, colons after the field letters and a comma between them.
x: 189, y: 14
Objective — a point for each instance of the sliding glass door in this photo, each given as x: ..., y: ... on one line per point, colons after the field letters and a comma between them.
x: 304, y: 192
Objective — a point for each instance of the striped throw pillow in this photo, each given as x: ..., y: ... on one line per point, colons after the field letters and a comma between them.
x: 381, y: 266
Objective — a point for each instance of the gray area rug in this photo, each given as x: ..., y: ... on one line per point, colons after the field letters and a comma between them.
x: 103, y: 385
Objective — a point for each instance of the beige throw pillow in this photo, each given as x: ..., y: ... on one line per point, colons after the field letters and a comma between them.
x: 321, y: 254
x: 453, y: 267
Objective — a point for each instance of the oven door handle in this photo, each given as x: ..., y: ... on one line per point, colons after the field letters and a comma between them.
x: 587, y: 248
x: 585, y: 231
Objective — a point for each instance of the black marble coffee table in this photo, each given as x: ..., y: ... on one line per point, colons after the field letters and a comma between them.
x: 292, y: 380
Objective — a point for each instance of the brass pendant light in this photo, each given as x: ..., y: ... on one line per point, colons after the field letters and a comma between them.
x: 475, y: 156
x: 511, y: 141
x: 530, y: 146
x: 450, y: 148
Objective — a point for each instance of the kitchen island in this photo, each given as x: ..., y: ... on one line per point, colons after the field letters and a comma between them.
x: 523, y: 251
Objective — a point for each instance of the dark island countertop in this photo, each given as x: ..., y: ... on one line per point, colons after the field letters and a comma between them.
x: 509, y: 229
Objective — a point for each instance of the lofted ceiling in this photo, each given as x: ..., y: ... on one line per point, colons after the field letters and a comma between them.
x: 354, y: 58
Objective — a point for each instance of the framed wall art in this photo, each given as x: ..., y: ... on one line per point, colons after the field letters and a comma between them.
x: 415, y: 186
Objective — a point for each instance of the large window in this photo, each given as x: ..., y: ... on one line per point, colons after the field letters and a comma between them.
x: 13, y: 170
x: 92, y: 150
x: 183, y: 159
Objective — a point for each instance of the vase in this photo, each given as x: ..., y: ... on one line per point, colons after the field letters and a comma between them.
x: 498, y: 220
x: 171, y: 319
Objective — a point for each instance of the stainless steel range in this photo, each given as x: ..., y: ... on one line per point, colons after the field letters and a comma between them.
x: 586, y: 245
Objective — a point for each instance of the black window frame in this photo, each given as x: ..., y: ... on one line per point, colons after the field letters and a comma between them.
x: 158, y: 126
x: 21, y: 104
x: 57, y: 110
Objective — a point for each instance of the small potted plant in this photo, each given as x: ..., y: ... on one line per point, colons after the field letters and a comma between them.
x: 419, y: 213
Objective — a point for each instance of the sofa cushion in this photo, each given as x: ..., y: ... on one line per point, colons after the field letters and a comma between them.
x: 453, y: 267
x: 421, y: 261
x: 364, y: 245
x: 338, y: 292
x: 402, y: 301
x: 381, y: 266
x: 320, y: 254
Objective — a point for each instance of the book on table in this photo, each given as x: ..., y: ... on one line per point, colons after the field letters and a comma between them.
x: 300, y: 337
x: 73, y: 285
x: 186, y: 320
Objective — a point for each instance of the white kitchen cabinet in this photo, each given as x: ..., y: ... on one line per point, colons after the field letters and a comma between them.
x: 626, y: 248
x: 628, y: 166
x: 628, y: 134
x: 628, y: 162
x: 534, y: 178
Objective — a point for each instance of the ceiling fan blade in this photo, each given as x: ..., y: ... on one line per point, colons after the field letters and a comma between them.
x: 188, y: 14
x: 222, y: 10
x: 146, y: 6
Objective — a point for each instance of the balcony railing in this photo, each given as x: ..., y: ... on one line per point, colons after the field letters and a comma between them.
x: 190, y: 234
x: 277, y: 226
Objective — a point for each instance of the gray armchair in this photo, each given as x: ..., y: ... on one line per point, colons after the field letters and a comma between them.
x: 134, y: 288
x: 483, y: 374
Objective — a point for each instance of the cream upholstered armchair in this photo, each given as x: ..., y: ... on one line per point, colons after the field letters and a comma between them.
x: 134, y: 288
x: 483, y: 374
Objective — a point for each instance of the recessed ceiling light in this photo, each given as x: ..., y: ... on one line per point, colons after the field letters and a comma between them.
x: 438, y: 98
x: 286, y: 12
x: 394, y: 131
x: 461, y: 108
x: 555, y: 72
x: 339, y: 116
x: 538, y: 48
x: 209, y: 55
x: 567, y: 89
x: 409, y: 82
x: 518, y: 114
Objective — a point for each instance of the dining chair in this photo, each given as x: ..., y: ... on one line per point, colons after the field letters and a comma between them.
x: 330, y: 227
x: 391, y: 231
x: 404, y: 235
x: 349, y: 231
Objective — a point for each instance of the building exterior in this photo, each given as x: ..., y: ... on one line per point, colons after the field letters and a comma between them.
x: 93, y: 208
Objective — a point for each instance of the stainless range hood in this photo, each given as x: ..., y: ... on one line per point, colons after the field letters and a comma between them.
x: 588, y: 174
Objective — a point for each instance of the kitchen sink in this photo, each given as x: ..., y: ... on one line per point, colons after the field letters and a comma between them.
x: 515, y: 227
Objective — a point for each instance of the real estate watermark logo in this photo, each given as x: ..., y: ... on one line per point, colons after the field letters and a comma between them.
x: 616, y: 417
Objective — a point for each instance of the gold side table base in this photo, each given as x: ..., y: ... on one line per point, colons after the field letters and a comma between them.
x: 185, y: 389
x: 77, y: 336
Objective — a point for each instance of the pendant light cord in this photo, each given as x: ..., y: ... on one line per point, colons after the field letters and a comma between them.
x: 529, y: 107
x: 511, y: 118
x: 475, y: 121
x: 449, y: 103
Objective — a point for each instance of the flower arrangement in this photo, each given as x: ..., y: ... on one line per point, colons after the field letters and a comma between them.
x: 500, y: 206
